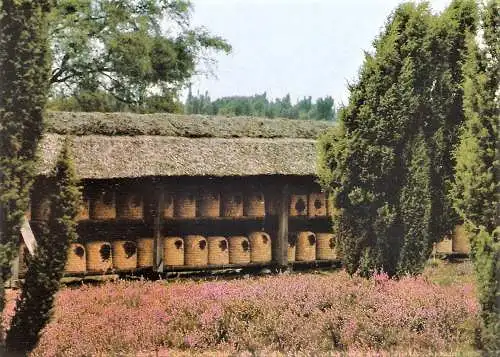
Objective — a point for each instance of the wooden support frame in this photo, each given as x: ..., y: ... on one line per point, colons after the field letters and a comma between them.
x: 158, y: 204
x: 281, y: 245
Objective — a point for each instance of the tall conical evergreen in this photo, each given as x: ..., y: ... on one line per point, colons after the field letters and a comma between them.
x: 415, y: 207
x: 401, y: 114
x: 45, y: 269
x: 444, y: 104
x: 24, y: 71
x: 476, y: 188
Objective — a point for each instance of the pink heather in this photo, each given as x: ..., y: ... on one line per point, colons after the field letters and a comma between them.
x: 294, y: 314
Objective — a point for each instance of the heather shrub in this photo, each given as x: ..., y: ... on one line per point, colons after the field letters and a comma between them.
x: 293, y: 315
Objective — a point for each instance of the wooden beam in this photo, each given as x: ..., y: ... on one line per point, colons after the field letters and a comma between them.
x: 281, y: 250
x: 159, y: 204
x: 28, y: 236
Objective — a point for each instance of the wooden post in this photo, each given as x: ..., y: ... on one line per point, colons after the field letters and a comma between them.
x: 282, y: 236
x: 158, y: 201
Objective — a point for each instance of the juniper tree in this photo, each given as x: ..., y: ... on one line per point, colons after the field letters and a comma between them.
x: 401, y: 114
x: 45, y: 268
x: 24, y: 71
x: 475, y: 192
x: 415, y: 207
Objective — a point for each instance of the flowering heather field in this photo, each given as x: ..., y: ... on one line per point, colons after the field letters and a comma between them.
x: 303, y: 314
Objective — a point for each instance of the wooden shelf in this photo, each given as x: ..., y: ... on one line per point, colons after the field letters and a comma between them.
x: 307, y: 218
x: 112, y: 221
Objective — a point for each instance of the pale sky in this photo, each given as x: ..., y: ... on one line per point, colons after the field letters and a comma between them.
x: 301, y: 47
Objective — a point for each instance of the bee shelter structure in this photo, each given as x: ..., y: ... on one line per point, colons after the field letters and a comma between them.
x: 148, y: 177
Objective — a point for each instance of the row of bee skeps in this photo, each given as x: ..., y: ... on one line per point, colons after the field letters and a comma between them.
x: 110, y: 204
x: 309, y: 246
x: 189, y: 251
x: 198, y: 251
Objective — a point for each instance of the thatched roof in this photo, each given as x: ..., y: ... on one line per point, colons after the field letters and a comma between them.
x: 191, y: 126
x: 97, y: 156
x: 120, y: 145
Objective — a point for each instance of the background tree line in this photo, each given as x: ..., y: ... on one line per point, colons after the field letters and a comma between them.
x: 260, y: 106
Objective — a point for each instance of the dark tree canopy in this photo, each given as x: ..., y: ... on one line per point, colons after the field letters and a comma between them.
x: 45, y: 268
x: 118, y: 55
x: 476, y: 186
x: 24, y: 70
x: 389, y: 167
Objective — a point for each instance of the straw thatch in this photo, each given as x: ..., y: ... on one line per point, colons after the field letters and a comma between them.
x: 298, y: 205
x: 292, y: 246
x: 173, y: 251
x: 306, y: 246
x: 196, y: 251
x: 185, y: 205
x: 84, y: 210
x: 254, y: 204
x: 444, y: 246
x: 460, y: 240
x: 317, y: 205
x: 168, y: 209
x: 145, y: 251
x: 325, y: 246
x: 99, y: 257
x: 218, y: 251
x: 192, y: 126
x: 232, y: 204
x: 129, y: 206
x: 124, y: 255
x: 239, y: 250
x: 103, y: 205
x: 76, y: 260
x: 261, y: 250
x: 105, y: 157
x: 208, y: 204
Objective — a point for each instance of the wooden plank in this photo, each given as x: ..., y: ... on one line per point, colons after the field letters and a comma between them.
x: 159, y: 205
x: 28, y: 236
x: 281, y: 257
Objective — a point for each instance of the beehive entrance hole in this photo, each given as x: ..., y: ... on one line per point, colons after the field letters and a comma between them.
x: 129, y: 248
x: 79, y: 251
x: 312, y: 239
x: 318, y: 204
x: 178, y: 244
x: 202, y: 244
x: 105, y: 252
x: 300, y: 206
x: 332, y: 243
x: 245, y: 245
x: 264, y: 239
x: 223, y: 245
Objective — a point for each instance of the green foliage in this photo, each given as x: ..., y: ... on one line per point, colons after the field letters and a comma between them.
x: 415, y: 206
x: 260, y: 106
x: 45, y: 269
x: 24, y: 70
x: 115, y: 54
x: 475, y: 192
x: 388, y: 172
